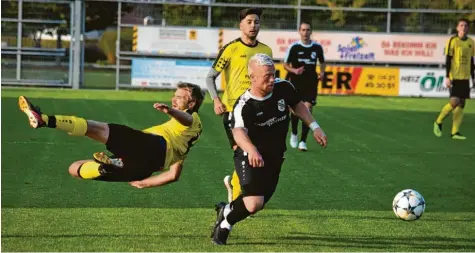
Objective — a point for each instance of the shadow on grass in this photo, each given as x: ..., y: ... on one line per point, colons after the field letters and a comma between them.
x: 302, y: 239
x: 373, y: 242
x: 389, y: 217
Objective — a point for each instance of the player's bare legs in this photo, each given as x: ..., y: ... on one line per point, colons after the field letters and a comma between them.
x: 74, y: 167
x: 98, y: 131
x: 305, y: 130
x: 75, y: 126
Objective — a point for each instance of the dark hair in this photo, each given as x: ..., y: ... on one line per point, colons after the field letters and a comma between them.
x: 463, y: 20
x: 197, y: 94
x: 249, y: 11
x: 305, y: 22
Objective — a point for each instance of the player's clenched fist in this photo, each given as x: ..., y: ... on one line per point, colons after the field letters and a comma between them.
x: 320, y: 137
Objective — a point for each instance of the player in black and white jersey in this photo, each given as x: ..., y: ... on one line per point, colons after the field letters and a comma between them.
x: 301, y: 62
x: 260, y: 123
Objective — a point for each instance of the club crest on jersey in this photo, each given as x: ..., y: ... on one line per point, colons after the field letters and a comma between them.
x: 281, y: 105
x: 313, y: 55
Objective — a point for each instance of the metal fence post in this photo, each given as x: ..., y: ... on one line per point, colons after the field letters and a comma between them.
x: 388, y: 18
x: 77, y: 43
x: 299, y: 13
x: 19, y: 39
x: 82, y: 42
x: 209, y: 15
x: 71, y: 29
x: 117, y: 46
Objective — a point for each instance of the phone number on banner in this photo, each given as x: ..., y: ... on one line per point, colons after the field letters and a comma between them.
x: 378, y: 81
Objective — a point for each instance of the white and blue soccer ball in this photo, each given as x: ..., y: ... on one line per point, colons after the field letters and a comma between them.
x: 409, y: 205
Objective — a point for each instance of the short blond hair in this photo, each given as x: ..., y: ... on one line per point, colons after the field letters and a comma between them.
x: 261, y: 60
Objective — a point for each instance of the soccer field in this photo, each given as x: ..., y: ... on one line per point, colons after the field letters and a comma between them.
x: 333, y: 199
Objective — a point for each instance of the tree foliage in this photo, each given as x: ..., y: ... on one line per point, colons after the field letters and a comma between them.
x: 400, y: 22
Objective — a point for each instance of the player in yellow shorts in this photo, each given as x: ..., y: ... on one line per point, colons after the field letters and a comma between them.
x: 137, y: 155
x: 232, y: 60
x: 460, y: 50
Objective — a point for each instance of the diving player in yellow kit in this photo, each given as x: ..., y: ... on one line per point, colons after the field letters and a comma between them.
x: 136, y: 154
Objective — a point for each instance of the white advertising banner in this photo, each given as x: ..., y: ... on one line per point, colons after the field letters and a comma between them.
x: 164, y: 73
x: 359, y: 47
x: 424, y: 83
x: 177, y: 41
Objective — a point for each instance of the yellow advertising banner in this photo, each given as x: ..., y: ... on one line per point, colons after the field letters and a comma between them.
x: 347, y: 80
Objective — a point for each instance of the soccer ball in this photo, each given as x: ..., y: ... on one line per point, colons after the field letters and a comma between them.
x: 409, y: 205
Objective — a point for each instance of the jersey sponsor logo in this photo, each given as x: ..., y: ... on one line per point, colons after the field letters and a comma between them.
x: 307, y: 61
x: 272, y: 121
x: 260, y: 113
x: 281, y: 105
x: 243, y: 56
x: 313, y: 55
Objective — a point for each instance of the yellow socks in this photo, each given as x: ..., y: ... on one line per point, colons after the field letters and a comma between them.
x: 89, y: 170
x: 457, y: 119
x: 443, y: 113
x: 236, y: 185
x: 71, y: 124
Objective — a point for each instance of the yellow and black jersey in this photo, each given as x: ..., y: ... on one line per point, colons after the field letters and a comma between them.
x: 459, y: 53
x: 232, y: 61
x: 179, y: 138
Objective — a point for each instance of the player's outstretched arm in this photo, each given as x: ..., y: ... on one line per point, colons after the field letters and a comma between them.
x: 243, y: 141
x: 184, y: 118
x: 163, y: 178
x: 303, y: 113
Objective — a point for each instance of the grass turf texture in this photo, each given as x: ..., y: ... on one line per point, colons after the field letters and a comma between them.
x: 337, y: 199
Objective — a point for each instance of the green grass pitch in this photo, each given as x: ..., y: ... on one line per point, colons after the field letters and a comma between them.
x: 337, y: 199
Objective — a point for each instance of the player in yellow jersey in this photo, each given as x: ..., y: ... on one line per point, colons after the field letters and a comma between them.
x: 136, y: 154
x: 232, y: 61
x: 460, y: 51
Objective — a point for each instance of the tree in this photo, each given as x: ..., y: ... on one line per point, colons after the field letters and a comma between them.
x: 428, y: 22
x: 355, y: 20
x: 400, y: 22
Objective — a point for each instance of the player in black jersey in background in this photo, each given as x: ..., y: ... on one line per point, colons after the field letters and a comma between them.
x: 301, y: 62
x: 260, y: 123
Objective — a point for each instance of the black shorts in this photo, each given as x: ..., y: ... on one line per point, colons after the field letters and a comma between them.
x: 142, y: 153
x: 460, y: 89
x: 258, y: 181
x: 307, y: 90
x: 227, y: 128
